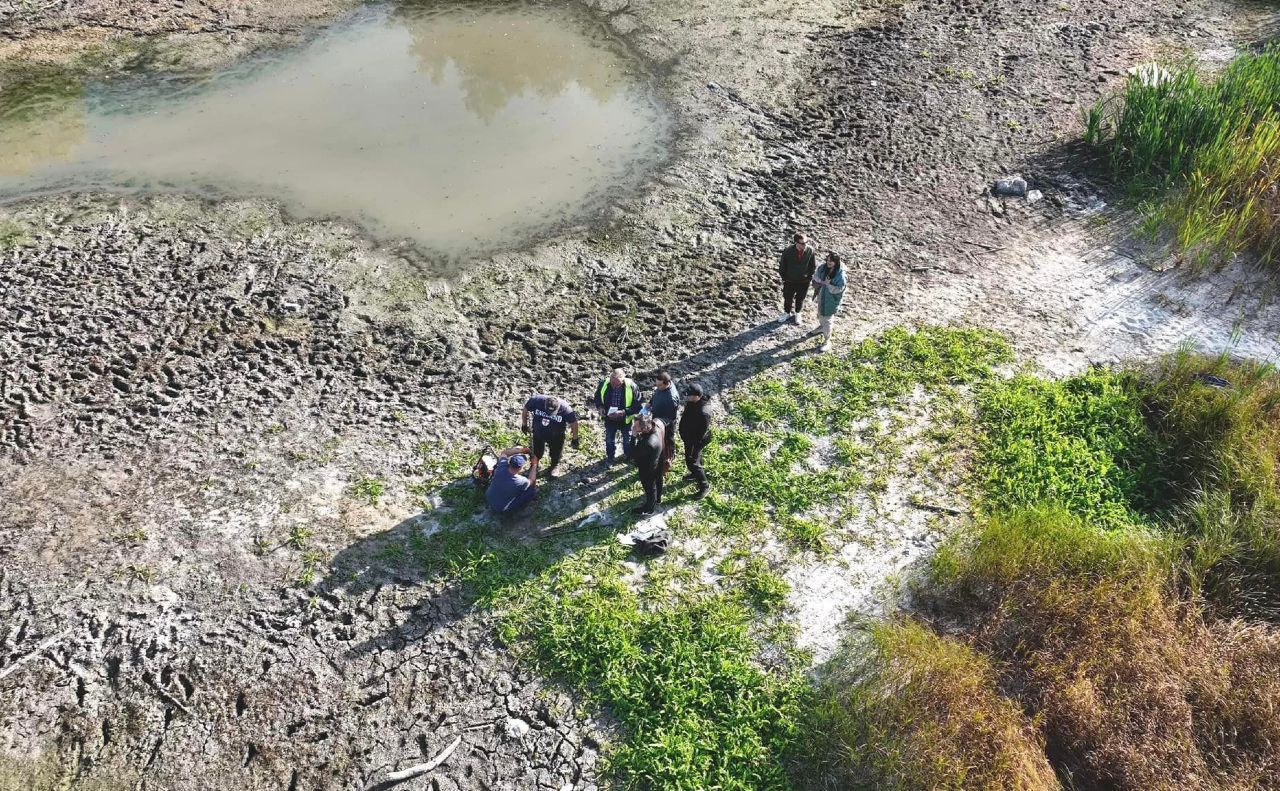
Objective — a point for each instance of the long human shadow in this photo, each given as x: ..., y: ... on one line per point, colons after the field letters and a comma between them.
x: 460, y: 554
x: 733, y: 360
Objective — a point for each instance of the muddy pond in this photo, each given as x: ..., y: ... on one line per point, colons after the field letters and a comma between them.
x: 464, y: 129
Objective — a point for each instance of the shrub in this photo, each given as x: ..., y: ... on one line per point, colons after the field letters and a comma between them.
x: 1218, y: 475
x: 1215, y: 144
x: 1133, y: 687
x: 913, y: 710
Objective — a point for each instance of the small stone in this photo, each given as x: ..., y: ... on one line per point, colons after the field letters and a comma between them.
x: 516, y: 728
x: 624, y: 24
x: 1012, y: 186
x: 1034, y: 196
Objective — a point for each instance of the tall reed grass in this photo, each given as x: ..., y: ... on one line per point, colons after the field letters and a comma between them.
x: 1203, y: 154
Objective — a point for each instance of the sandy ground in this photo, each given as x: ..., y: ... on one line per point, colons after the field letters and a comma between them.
x: 185, y: 385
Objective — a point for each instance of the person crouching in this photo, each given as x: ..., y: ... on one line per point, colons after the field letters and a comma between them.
x: 510, y: 490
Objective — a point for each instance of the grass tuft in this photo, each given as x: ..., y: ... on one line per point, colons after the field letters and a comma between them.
x: 1214, y: 146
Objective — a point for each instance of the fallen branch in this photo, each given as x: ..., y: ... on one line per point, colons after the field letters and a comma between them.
x: 420, y: 769
x: 940, y: 509
x: 40, y: 649
x: 988, y: 247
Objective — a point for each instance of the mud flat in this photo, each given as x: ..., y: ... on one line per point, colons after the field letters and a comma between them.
x: 192, y: 389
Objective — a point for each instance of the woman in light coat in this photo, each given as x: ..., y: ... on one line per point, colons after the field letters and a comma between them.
x: 828, y: 290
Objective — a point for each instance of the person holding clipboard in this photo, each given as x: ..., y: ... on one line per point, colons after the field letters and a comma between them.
x: 617, y: 400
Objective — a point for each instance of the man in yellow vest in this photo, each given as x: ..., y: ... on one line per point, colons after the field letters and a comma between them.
x: 618, y: 400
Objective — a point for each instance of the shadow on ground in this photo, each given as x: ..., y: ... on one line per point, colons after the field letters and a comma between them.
x: 462, y: 555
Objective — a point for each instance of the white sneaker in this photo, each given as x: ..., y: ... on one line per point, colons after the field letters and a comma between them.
x: 783, y: 318
x: 826, y: 347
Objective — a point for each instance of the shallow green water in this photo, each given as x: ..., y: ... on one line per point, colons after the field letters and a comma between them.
x: 464, y: 130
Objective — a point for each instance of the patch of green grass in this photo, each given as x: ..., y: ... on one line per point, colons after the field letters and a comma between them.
x: 676, y: 667
x: 369, y: 488
x: 764, y: 460
x: 312, y: 560
x: 133, y: 537
x: 299, y: 535
x: 12, y: 234
x: 1081, y: 443
x: 140, y: 572
x: 1213, y: 145
x: 1046, y: 543
x: 755, y: 581
x: 1218, y: 473
x: 674, y: 661
x: 802, y: 533
x: 1153, y: 446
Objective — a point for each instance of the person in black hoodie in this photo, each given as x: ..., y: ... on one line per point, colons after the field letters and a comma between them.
x: 647, y: 452
x: 796, y: 268
x: 695, y: 433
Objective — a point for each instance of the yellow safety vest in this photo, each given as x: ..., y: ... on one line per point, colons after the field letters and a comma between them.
x: 628, y: 396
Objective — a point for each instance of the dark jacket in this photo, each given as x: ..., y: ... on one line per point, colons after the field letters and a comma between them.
x: 695, y: 423
x: 646, y: 452
x: 796, y: 268
x: 663, y: 404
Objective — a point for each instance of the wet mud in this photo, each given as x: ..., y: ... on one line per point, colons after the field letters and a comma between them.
x: 185, y: 382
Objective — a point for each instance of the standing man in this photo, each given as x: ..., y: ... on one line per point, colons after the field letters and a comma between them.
x: 551, y: 417
x: 647, y: 452
x: 618, y: 400
x: 796, y: 270
x: 510, y: 490
x: 828, y: 290
x: 695, y: 432
x: 663, y: 405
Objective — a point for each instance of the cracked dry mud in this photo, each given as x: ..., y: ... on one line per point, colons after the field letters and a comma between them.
x: 185, y: 383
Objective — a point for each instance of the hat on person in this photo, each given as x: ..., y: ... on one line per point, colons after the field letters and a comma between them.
x: 694, y: 390
x: 518, y: 461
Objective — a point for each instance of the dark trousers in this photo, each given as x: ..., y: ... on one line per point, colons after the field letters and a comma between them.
x: 793, y: 292
x: 651, y: 482
x: 554, y: 444
x: 611, y: 439
x: 520, y: 500
x: 693, y: 460
x: 669, y: 439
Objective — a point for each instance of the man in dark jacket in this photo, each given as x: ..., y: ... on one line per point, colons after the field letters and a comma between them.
x: 664, y: 404
x: 695, y: 432
x: 647, y: 452
x: 796, y: 269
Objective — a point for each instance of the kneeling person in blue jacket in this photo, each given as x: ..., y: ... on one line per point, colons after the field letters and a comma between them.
x: 510, y: 490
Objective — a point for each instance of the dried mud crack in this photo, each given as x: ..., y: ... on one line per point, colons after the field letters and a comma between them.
x: 190, y: 389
